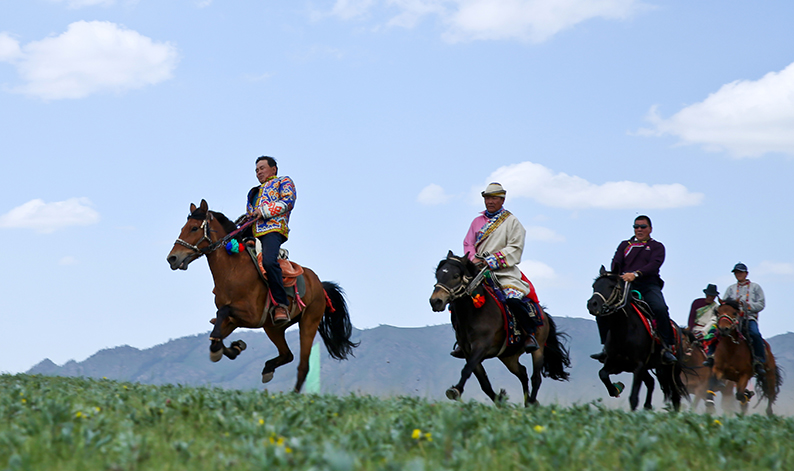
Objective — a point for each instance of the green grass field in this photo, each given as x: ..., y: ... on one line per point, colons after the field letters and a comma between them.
x: 58, y: 423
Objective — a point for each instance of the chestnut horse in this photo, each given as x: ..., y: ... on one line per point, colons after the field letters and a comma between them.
x: 241, y: 295
x: 733, y: 361
x: 696, y: 376
x: 480, y: 332
x: 629, y: 346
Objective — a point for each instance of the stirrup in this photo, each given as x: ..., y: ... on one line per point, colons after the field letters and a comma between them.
x: 709, y: 362
x: 457, y: 352
x: 531, y: 344
x: 759, y: 369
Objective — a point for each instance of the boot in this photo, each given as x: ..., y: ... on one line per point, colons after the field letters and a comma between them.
x: 531, y: 344
x: 709, y: 361
x: 280, y: 315
x: 600, y: 356
x: 667, y: 357
x: 457, y: 352
x: 759, y: 368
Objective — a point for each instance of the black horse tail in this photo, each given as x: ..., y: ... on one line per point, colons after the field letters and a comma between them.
x: 770, y: 391
x: 335, y: 327
x: 555, y: 355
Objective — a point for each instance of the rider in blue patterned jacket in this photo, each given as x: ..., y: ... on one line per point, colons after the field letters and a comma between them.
x: 271, y: 204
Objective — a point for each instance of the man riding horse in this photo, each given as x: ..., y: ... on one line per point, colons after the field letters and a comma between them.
x: 496, y: 239
x: 751, y: 301
x: 638, y: 260
x: 271, y: 204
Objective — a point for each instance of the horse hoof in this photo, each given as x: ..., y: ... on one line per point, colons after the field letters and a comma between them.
x: 239, y: 344
x: 215, y: 357
x: 453, y: 394
x: 266, y: 377
x: 619, y: 387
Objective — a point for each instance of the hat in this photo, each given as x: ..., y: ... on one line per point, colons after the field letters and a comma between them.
x: 711, y: 290
x: 494, y: 189
x: 739, y: 267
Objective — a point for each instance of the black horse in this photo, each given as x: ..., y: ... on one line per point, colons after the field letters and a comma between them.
x: 629, y: 346
x: 481, y: 333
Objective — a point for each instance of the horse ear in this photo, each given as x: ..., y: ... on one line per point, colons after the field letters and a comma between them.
x: 204, y: 206
x: 450, y: 254
x: 603, y: 271
x: 192, y: 208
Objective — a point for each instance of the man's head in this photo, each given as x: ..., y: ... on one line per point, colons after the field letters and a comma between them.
x: 642, y: 227
x: 266, y: 167
x: 711, y: 293
x: 740, y: 271
x: 494, y: 196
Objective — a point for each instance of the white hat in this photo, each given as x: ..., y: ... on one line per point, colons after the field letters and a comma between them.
x: 494, y: 189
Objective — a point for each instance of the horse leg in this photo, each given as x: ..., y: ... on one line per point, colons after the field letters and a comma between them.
x: 222, y: 323
x: 649, y: 385
x: 515, y: 367
x: 472, y: 361
x: 636, y: 384
x: 713, y: 384
x: 310, y: 320
x: 485, y: 384
x: 603, y: 374
x: 276, y: 336
x: 537, y: 366
x: 741, y: 393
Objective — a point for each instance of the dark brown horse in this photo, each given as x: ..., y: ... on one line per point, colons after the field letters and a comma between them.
x: 733, y: 361
x: 241, y: 296
x: 480, y: 332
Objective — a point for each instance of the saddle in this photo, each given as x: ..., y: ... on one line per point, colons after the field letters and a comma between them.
x: 645, y: 313
x: 292, y: 277
x: 514, y: 335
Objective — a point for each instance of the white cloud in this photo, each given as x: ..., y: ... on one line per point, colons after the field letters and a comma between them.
x: 50, y: 217
x: 543, y: 234
x: 535, y: 270
x: 9, y: 48
x: 774, y: 268
x: 465, y: 20
x: 560, y: 190
x: 744, y: 118
x: 433, y: 195
x: 92, y: 57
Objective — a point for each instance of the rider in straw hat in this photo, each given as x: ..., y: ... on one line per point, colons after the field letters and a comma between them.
x: 496, y: 239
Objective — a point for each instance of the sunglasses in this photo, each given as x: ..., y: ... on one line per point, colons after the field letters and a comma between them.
x: 640, y: 226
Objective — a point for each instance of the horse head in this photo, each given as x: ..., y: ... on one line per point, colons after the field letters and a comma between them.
x: 609, y: 294
x: 728, y: 317
x: 194, y: 240
x: 452, y: 278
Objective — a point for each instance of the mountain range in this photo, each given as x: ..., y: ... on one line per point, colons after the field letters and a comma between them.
x: 390, y: 361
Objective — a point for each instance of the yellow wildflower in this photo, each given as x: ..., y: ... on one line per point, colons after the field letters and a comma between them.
x: 429, y: 437
x: 97, y: 409
x: 261, y: 421
x: 717, y: 423
x: 417, y: 434
x: 24, y: 400
x: 288, y: 449
x: 78, y: 414
x: 539, y: 428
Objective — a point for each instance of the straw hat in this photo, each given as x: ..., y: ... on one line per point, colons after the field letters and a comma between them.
x: 494, y: 189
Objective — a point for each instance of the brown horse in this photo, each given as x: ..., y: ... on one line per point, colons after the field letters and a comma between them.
x: 696, y: 376
x: 480, y: 332
x: 241, y: 296
x: 733, y: 361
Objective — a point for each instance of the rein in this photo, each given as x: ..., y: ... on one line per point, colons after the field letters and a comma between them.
x: 617, y: 299
x: 463, y: 288
x: 213, y: 246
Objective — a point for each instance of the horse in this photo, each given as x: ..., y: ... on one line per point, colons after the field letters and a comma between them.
x: 733, y: 361
x: 629, y: 346
x: 241, y: 296
x: 481, y: 333
x: 696, y: 376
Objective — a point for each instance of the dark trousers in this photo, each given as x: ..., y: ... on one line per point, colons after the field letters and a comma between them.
x: 652, y: 294
x: 271, y: 243
x: 759, y: 349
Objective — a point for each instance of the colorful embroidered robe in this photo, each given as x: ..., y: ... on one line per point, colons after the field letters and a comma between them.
x: 274, y: 199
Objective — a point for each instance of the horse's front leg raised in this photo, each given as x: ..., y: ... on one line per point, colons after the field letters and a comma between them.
x: 603, y: 374
x: 223, y: 327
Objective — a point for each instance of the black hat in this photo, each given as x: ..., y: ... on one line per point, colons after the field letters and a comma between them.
x: 739, y: 267
x: 711, y: 290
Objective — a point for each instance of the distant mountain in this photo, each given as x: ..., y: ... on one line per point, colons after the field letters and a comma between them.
x: 390, y: 361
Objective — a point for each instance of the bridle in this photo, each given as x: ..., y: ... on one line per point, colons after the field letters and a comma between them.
x: 213, y: 246
x: 463, y: 287
x: 617, y: 299
x: 732, y: 327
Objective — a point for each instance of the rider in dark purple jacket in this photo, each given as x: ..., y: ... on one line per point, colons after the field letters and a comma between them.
x: 637, y: 261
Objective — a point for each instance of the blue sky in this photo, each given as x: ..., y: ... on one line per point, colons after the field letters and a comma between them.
x: 390, y: 116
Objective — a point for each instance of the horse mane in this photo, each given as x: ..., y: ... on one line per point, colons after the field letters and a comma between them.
x: 732, y: 303
x: 201, y: 215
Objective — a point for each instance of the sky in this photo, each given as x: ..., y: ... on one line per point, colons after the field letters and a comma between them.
x: 390, y: 116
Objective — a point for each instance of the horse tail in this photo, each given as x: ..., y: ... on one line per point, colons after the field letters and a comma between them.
x: 555, y: 355
x: 335, y: 327
x: 770, y: 391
